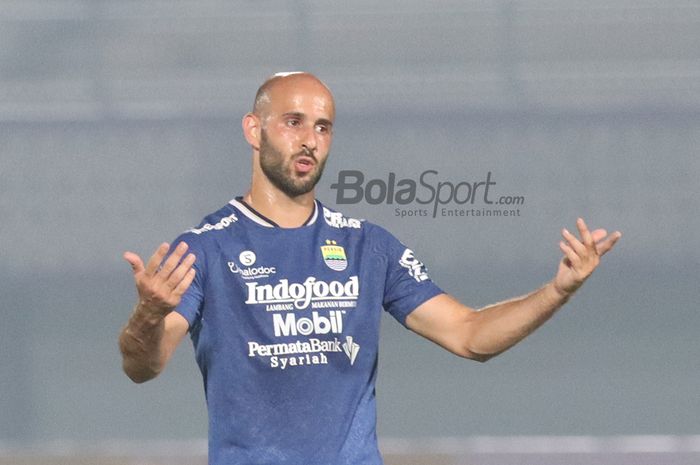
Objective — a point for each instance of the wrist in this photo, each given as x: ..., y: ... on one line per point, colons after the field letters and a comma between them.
x: 145, y: 315
x: 555, y: 294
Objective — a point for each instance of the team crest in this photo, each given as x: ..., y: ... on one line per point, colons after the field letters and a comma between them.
x: 334, y: 256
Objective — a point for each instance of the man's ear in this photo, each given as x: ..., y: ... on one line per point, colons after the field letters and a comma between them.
x: 251, y: 130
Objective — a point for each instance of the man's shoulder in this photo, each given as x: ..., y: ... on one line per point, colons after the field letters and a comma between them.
x: 204, y: 234
x: 220, y: 220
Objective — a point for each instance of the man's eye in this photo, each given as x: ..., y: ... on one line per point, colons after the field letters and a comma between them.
x: 293, y: 122
x: 322, y: 129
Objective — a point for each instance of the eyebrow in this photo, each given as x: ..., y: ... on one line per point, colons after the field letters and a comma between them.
x: 299, y: 115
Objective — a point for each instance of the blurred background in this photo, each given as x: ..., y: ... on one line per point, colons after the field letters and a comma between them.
x: 120, y: 128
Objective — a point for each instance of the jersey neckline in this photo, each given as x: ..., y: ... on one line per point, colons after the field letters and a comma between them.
x: 260, y: 219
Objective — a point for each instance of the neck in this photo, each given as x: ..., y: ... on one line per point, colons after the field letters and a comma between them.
x: 288, y: 212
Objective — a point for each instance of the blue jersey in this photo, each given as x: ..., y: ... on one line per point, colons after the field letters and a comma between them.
x: 285, y: 326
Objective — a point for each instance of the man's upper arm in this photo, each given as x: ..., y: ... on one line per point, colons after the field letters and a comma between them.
x: 445, y: 321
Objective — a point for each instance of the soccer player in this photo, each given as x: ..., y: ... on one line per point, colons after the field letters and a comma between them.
x: 282, y: 299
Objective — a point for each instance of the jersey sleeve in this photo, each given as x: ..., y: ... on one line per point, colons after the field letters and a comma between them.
x: 190, y: 306
x: 407, y: 283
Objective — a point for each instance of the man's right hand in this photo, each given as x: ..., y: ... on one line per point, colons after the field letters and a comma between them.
x: 160, y: 288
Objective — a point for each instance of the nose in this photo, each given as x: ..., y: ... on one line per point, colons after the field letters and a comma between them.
x: 308, y: 151
x: 308, y: 142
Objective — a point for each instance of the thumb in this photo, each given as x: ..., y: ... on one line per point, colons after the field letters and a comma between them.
x: 135, y: 261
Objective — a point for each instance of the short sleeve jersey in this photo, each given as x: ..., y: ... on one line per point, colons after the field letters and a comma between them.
x: 285, y: 326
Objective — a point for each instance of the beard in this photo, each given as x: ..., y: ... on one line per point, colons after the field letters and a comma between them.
x: 281, y: 174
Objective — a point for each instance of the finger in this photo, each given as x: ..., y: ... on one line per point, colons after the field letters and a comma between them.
x: 599, y: 234
x: 586, y: 236
x: 185, y: 283
x: 570, y: 254
x: 156, y: 258
x: 181, y: 270
x: 573, y: 242
x: 135, y: 261
x: 173, y: 259
x: 605, y: 246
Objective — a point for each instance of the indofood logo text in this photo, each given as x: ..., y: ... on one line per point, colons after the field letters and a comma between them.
x: 428, y: 195
x: 301, y: 295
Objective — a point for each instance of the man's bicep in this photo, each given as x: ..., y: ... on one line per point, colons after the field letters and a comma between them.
x: 176, y: 327
x: 445, y: 321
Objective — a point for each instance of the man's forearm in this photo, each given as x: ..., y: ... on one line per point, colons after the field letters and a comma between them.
x: 140, y: 344
x: 498, y: 327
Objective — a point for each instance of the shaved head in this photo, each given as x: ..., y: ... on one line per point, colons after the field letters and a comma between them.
x: 283, y: 80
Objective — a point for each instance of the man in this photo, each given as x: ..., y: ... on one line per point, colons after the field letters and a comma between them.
x: 282, y: 296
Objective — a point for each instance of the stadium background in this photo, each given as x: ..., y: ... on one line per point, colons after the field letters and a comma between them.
x: 119, y: 128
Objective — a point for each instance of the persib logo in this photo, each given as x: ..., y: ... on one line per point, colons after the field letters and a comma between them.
x: 334, y: 256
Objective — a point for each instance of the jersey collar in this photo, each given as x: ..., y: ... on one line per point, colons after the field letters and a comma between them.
x: 262, y: 220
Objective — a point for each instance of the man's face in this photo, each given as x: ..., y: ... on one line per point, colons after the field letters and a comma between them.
x: 296, y: 135
x: 282, y: 170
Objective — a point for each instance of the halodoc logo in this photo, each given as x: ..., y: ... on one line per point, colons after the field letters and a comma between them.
x: 247, y: 258
x: 429, y: 194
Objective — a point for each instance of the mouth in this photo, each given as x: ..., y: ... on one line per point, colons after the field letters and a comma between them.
x: 304, y: 164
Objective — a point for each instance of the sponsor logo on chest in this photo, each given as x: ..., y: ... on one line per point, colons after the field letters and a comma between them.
x: 303, y: 353
x: 287, y: 296
x: 291, y: 325
x: 247, y: 258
